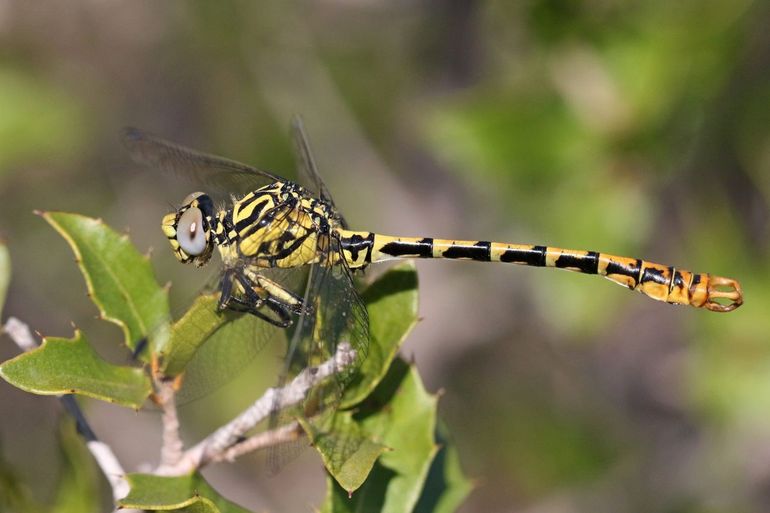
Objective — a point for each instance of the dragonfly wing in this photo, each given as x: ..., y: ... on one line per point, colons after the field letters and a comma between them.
x: 242, y: 336
x: 222, y: 175
x: 341, y: 312
x: 307, y: 170
x: 225, y: 354
x: 235, y: 345
x: 338, y: 315
x: 296, y: 358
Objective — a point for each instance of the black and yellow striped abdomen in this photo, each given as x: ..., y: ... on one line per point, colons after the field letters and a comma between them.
x: 657, y: 281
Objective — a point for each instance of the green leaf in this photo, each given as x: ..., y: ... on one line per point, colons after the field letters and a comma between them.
x: 210, y: 347
x: 346, y: 450
x: 70, y: 366
x: 190, y: 493
x: 194, y: 328
x: 5, y: 273
x: 392, y: 305
x: 120, y: 280
x: 402, y: 415
x: 446, y: 487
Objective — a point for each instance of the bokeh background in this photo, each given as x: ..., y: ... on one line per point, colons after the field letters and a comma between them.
x: 635, y: 128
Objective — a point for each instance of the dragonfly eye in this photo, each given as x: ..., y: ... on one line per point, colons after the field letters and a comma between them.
x: 191, y: 234
x: 190, y: 197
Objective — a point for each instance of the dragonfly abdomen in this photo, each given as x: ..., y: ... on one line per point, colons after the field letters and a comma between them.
x: 660, y: 282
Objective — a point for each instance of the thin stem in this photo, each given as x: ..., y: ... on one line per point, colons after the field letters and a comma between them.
x: 281, y: 435
x: 172, y: 448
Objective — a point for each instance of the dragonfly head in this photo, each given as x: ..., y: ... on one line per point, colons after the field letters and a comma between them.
x: 189, y: 230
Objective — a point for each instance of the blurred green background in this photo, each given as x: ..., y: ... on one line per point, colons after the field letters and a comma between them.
x: 635, y: 128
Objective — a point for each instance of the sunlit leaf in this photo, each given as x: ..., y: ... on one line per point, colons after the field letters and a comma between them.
x: 347, y: 451
x: 402, y: 415
x: 71, y: 366
x: 120, y: 280
x: 190, y: 493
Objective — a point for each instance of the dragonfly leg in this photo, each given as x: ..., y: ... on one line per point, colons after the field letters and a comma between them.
x: 226, y: 296
x: 272, y: 290
x: 257, y: 296
x: 228, y: 299
x: 241, y: 305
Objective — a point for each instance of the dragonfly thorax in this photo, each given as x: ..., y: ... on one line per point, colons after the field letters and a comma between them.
x: 279, y: 225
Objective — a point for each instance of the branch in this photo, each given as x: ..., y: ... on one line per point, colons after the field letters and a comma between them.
x: 286, y: 433
x: 225, y: 442
x: 172, y: 447
x: 102, y: 453
x: 20, y: 333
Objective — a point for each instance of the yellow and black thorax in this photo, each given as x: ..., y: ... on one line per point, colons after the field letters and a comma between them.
x: 278, y: 225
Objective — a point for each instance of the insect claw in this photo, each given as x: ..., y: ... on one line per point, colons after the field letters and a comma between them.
x: 730, y: 289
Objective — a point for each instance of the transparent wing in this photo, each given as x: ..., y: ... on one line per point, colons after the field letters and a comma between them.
x: 306, y: 167
x: 307, y: 172
x: 341, y: 311
x: 338, y: 315
x: 225, y: 354
x: 221, y: 174
x: 297, y: 358
x: 235, y: 345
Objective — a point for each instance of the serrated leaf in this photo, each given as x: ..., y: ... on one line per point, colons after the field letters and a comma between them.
x: 5, y: 274
x: 392, y: 305
x: 348, y: 453
x: 190, y: 493
x: 446, y: 487
x: 402, y: 415
x: 70, y: 366
x: 120, y: 280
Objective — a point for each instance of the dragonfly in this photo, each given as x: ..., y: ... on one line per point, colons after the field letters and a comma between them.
x: 279, y: 224
x: 267, y: 230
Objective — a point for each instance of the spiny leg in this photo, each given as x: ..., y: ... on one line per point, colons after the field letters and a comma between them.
x: 226, y: 294
x: 277, y: 292
x: 250, y: 297
x: 284, y: 319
